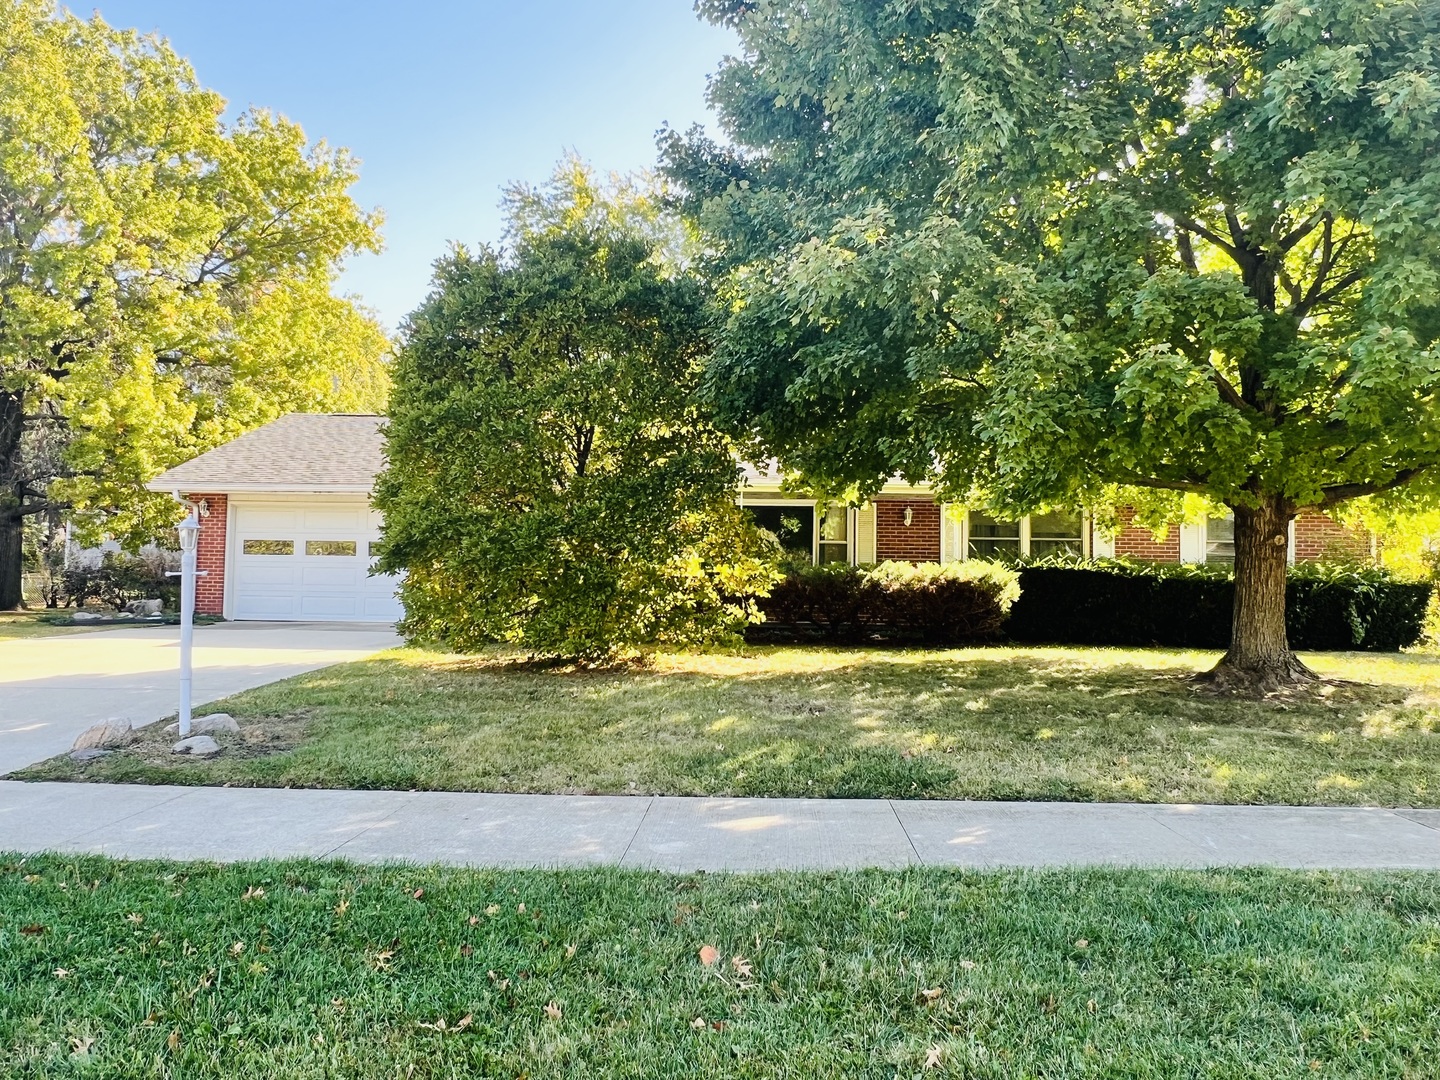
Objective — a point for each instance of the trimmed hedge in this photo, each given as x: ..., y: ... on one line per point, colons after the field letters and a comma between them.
x: 894, y: 602
x: 1112, y: 602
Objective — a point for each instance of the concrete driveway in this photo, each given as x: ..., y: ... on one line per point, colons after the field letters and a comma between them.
x: 51, y: 689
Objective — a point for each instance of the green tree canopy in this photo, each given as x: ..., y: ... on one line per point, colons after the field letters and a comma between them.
x: 165, y: 277
x: 1094, y: 252
x: 551, y: 480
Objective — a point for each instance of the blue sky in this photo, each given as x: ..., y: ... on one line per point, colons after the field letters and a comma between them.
x: 446, y: 102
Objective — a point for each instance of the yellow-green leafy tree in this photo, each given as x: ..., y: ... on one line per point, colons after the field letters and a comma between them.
x: 165, y: 275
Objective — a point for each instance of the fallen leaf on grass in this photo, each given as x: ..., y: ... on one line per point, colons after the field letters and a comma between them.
x: 474, y: 920
x: 492, y: 910
x: 569, y: 951
x: 1082, y: 943
x: 932, y: 1058
x: 741, y: 966
x: 443, y: 1027
x: 79, y: 1047
x: 466, y: 950
x: 237, y: 948
x: 381, y: 959
x: 967, y: 964
x: 33, y: 930
x: 254, y: 892
x: 709, y: 954
x: 61, y: 973
x: 342, y: 907
x: 418, y: 893
x: 552, y: 1011
x: 173, y: 1041
x: 698, y: 1023
x: 931, y: 995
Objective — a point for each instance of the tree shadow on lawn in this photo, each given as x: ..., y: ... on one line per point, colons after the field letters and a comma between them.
x: 1002, y: 723
x: 1031, y: 723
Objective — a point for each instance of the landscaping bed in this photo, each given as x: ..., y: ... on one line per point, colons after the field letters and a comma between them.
x: 305, y: 969
x: 983, y: 723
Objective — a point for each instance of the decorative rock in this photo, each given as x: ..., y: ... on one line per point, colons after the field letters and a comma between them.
x: 206, y: 725
x: 144, y: 607
x: 86, y: 616
x: 80, y: 757
x: 106, y: 735
x: 197, y: 746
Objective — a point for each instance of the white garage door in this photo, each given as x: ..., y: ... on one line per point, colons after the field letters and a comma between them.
x: 309, y: 562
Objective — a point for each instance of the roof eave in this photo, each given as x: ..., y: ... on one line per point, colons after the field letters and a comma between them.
x: 231, y: 487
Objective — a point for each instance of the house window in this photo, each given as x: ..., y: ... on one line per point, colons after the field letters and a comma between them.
x: 268, y: 547
x: 793, y: 526
x: 1220, y: 540
x: 992, y: 538
x: 330, y: 547
x: 834, y: 544
x: 1056, y: 534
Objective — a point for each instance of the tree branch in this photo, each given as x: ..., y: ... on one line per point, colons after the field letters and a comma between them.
x: 1124, y: 476
x: 1304, y: 229
x: 1191, y: 225
x: 1334, y: 496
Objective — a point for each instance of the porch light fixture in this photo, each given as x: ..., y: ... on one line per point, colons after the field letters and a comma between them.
x: 909, y: 515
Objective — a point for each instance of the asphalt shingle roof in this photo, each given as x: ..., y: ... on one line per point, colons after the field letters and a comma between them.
x: 298, y: 452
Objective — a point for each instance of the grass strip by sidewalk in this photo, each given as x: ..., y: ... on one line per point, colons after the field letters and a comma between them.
x: 15, y: 625
x: 983, y: 723
x: 309, y: 970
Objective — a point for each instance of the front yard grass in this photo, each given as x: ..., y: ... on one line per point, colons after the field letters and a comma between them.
x: 983, y: 723
x: 33, y: 624
x: 310, y: 970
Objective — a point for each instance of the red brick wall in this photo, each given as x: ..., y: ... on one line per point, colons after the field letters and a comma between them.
x: 1137, y: 542
x: 917, y: 542
x: 210, y: 555
x: 1319, y: 537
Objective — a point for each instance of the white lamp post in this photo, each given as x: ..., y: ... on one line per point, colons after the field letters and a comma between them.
x: 189, y: 531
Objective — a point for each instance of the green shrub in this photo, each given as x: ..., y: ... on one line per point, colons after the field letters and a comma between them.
x: 120, y: 578
x: 900, y: 602
x: 1114, y: 602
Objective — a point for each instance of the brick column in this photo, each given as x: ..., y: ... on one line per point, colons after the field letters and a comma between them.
x: 1319, y: 536
x: 210, y: 555
x: 1135, y: 542
x: 918, y: 542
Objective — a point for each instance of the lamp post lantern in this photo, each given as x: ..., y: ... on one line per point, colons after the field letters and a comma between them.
x: 189, y: 531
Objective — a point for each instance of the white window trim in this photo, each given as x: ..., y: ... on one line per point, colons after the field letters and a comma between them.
x: 1201, y: 533
x: 814, y: 507
x: 1025, y: 535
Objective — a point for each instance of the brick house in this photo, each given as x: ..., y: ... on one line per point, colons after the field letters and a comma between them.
x: 905, y: 523
x: 287, y: 529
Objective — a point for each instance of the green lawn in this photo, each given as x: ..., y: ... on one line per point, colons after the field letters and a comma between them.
x: 33, y: 624
x: 310, y: 970
x: 1000, y: 723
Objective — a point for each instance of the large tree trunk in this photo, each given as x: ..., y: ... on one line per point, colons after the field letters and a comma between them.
x: 11, y: 531
x: 1259, y: 659
x: 12, y: 522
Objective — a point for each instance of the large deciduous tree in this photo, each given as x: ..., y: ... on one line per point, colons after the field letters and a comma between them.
x: 1060, y: 252
x: 552, y: 482
x: 164, y: 276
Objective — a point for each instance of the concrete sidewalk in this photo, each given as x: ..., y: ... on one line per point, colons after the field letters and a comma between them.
x: 685, y: 834
x: 53, y: 688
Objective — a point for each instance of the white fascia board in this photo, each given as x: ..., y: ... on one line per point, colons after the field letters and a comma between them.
x: 201, y: 487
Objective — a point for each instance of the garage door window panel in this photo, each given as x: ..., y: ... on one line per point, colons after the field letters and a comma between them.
x: 268, y: 547
x: 331, y: 548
